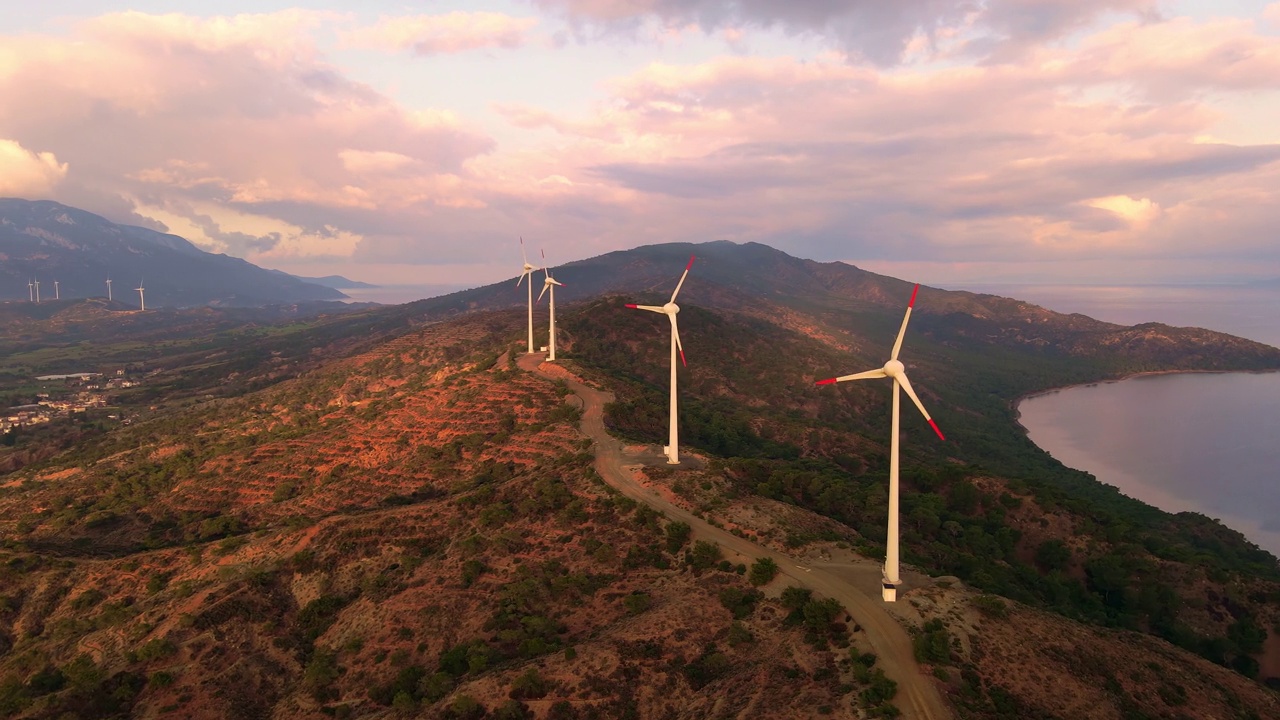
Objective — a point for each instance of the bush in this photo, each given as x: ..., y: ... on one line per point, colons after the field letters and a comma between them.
x: 530, y: 685
x: 677, y: 536
x: 637, y: 602
x: 763, y: 571
x: 704, y: 555
x: 740, y: 602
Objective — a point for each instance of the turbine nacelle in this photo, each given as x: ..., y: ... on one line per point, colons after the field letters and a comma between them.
x: 671, y: 308
x: 894, y: 368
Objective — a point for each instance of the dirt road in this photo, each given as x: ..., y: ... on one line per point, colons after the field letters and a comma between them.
x: 918, y: 697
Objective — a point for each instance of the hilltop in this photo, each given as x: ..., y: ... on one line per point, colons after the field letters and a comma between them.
x: 49, y: 241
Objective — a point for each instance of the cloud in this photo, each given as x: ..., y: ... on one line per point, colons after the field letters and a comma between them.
x: 1040, y: 159
x: 441, y: 34
x: 172, y: 111
x: 1138, y: 213
x: 24, y: 173
x: 879, y: 31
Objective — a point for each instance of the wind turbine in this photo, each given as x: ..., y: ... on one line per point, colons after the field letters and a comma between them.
x: 893, y: 369
x: 57, y: 294
x: 549, y: 285
x: 527, y: 273
x: 108, y: 289
x: 671, y: 309
x: 37, y: 290
x: 142, y: 300
x: 31, y: 294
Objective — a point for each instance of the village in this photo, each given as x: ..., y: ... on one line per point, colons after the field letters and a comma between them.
x: 77, y: 393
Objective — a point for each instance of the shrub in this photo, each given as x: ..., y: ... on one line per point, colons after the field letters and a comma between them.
x: 763, y: 571
x: 704, y: 555
x: 637, y: 602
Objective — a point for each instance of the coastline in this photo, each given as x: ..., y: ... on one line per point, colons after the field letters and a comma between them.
x: 1016, y: 403
x: 1084, y: 432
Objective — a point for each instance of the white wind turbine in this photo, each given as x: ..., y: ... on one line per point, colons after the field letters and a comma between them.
x: 31, y: 294
x: 671, y: 309
x: 108, y: 289
x: 527, y: 272
x: 893, y: 369
x: 142, y: 300
x: 37, y: 290
x: 549, y: 285
x: 57, y: 294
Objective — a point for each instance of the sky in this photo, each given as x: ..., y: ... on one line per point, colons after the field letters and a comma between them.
x: 942, y: 141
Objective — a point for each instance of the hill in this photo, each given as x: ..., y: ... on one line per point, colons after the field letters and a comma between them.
x: 49, y: 241
x: 383, y: 511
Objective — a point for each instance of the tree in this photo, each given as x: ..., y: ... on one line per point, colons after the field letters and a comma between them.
x: 763, y: 571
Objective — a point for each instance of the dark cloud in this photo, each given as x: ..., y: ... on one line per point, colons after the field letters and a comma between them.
x: 877, y: 30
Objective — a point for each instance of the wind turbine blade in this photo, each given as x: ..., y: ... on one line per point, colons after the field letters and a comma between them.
x: 682, y: 277
x: 897, y: 344
x: 906, y: 385
x: 521, y: 279
x: 650, y: 308
x: 877, y: 373
x: 523, y: 255
x: 545, y: 287
x: 675, y: 333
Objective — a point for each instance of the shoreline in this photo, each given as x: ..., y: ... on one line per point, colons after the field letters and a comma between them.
x: 1016, y: 403
x: 1135, y: 480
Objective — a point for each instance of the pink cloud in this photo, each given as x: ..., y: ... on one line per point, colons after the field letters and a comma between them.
x: 173, y: 110
x: 439, y: 34
x: 26, y: 173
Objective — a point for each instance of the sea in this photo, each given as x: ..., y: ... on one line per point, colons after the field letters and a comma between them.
x: 1201, y: 442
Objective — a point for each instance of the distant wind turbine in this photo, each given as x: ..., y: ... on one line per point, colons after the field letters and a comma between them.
x: 108, y: 289
x: 142, y: 300
x: 527, y: 273
x: 671, y: 309
x: 57, y: 294
x: 37, y: 290
x: 31, y: 294
x: 549, y: 285
x: 893, y: 369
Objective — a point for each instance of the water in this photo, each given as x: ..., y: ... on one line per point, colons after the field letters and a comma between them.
x: 1190, y: 442
x: 1200, y: 442
x: 1250, y: 312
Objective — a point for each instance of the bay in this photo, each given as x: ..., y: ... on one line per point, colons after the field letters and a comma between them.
x: 1201, y: 442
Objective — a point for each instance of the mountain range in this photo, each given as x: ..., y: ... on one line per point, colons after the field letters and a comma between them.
x: 49, y: 241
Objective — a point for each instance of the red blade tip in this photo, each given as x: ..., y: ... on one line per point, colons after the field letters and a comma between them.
x: 828, y: 381
x: 682, y: 362
x: 691, y: 259
x: 934, y: 425
x: 632, y: 306
x: 913, y: 295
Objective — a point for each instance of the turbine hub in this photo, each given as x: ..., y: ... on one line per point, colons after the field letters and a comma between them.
x: 671, y: 308
x: 893, y: 368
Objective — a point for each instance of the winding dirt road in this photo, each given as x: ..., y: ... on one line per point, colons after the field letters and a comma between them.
x: 918, y: 697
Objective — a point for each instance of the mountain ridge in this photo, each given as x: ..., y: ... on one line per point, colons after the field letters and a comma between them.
x: 50, y: 241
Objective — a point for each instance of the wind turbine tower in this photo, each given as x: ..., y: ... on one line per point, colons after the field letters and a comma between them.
x: 671, y: 309
x: 895, y: 370
x: 57, y: 293
x: 37, y: 290
x: 108, y: 289
x: 31, y: 294
x: 142, y: 300
x: 527, y: 273
x: 549, y: 285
